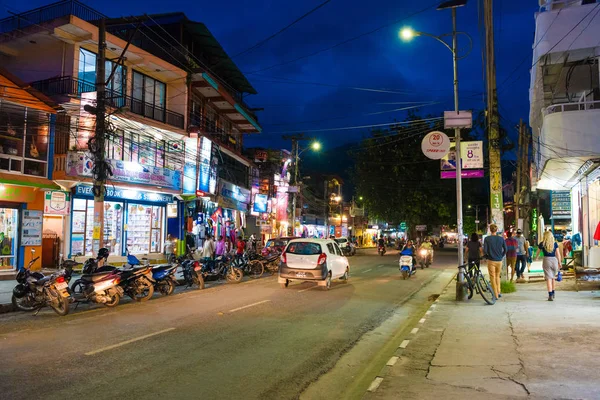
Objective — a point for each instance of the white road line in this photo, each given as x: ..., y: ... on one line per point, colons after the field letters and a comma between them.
x: 404, y: 344
x: 310, y: 288
x: 433, y: 306
x: 375, y: 384
x: 248, y: 306
x: 428, y: 312
x: 422, y: 320
x: 414, y: 331
x: 392, y: 361
x: 364, y: 272
x: 379, y: 266
x: 114, y: 346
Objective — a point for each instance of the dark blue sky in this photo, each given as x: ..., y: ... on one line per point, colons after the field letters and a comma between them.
x: 421, y: 69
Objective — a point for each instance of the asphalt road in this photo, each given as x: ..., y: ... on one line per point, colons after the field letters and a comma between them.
x: 252, y: 340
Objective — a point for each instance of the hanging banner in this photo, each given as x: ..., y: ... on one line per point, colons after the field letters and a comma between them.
x: 468, y: 173
x: 57, y: 203
x: 207, y: 167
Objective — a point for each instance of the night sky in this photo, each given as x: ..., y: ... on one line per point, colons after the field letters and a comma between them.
x: 420, y: 70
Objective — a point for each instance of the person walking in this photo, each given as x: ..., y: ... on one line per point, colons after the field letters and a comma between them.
x: 494, y: 248
x: 220, y: 247
x: 511, y: 255
x: 208, y: 250
x: 551, y: 261
x: 522, y: 255
x: 474, y: 250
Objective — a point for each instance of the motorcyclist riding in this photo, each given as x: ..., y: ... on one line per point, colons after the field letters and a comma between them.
x: 409, y: 250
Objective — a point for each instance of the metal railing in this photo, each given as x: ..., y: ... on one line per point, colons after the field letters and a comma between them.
x: 68, y: 85
x: 565, y: 107
x: 48, y: 13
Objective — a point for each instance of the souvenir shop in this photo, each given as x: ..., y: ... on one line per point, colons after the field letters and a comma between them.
x: 134, y: 220
x: 586, y: 216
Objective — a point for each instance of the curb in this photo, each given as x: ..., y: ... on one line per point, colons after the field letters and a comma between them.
x: 6, y: 308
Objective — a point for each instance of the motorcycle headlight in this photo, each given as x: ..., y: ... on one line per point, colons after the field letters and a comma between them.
x: 423, y: 252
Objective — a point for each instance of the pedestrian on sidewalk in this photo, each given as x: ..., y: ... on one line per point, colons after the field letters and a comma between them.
x: 220, y: 247
x: 494, y: 249
x: 551, y: 261
x: 511, y: 255
x: 208, y: 250
x: 522, y: 255
x: 474, y: 250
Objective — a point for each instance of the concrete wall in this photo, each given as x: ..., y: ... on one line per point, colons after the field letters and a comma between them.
x: 35, y: 62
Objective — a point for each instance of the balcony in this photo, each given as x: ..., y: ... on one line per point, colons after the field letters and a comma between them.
x: 567, y: 140
x: 69, y: 86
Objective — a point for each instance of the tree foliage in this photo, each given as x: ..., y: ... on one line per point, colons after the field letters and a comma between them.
x: 398, y: 183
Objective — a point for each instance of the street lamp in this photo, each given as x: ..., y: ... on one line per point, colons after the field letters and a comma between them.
x: 407, y: 34
x: 315, y: 146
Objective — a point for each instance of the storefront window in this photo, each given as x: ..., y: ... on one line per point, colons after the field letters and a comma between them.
x: 144, y: 229
x: 9, y: 219
x: 83, y: 226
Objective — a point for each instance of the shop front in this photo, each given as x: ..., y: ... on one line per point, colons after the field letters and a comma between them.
x: 230, y: 218
x: 134, y: 221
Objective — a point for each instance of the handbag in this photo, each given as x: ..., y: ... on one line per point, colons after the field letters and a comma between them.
x: 559, y: 277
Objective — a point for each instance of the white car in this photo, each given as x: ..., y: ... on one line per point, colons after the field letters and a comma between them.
x: 319, y: 260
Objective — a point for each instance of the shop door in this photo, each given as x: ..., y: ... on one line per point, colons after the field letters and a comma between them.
x: 9, y: 218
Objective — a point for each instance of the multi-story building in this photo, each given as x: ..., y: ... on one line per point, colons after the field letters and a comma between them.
x: 175, y: 128
x: 565, y: 115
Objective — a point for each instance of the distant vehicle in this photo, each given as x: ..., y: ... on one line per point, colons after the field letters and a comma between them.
x: 348, y: 248
x: 275, y: 246
x: 319, y: 260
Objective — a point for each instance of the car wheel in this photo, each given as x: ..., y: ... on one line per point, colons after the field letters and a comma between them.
x: 346, y: 276
x: 284, y: 285
x: 327, y: 282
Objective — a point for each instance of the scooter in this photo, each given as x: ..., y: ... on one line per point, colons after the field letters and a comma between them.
x: 164, y: 278
x: 425, y: 257
x: 96, y: 287
x: 381, y: 250
x: 406, y: 268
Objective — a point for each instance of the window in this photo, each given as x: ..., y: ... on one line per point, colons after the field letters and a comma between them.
x: 83, y: 227
x: 144, y: 229
x: 330, y: 248
x: 149, y: 94
x: 304, y: 248
x: 337, y: 249
x: 115, y: 87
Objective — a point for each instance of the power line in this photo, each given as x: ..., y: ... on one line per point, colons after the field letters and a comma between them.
x: 356, y: 127
x: 265, y: 40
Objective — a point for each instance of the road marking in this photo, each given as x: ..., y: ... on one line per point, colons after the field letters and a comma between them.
x: 367, y: 271
x: 428, y: 312
x: 422, y: 320
x: 392, y: 361
x: 114, y: 346
x: 379, y: 266
x: 404, y: 344
x: 248, y: 306
x: 433, y: 306
x: 375, y: 384
x: 310, y: 288
x: 414, y: 331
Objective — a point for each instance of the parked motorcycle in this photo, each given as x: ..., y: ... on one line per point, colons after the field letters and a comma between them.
x: 221, y: 268
x: 96, y: 287
x: 250, y: 264
x: 348, y: 250
x: 164, y: 278
x: 192, y: 272
x: 425, y: 258
x: 35, y: 291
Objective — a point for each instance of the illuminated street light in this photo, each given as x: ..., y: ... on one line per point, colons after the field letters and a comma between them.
x: 407, y: 34
x: 316, y: 146
x: 337, y: 198
x: 360, y: 198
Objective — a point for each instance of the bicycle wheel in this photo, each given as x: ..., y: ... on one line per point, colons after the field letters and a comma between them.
x: 485, y: 289
x: 469, y: 285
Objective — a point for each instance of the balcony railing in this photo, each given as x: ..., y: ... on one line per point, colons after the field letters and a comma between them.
x: 48, y: 13
x: 565, y: 107
x: 67, y: 85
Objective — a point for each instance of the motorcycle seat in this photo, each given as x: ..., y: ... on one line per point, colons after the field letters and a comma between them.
x: 162, y: 267
x: 43, y: 280
x: 98, y: 276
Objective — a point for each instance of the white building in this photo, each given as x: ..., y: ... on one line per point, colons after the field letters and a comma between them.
x: 565, y: 114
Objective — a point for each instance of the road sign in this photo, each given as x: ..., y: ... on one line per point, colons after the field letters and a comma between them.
x: 421, y: 228
x: 402, y: 225
x: 462, y: 119
x: 435, y: 145
x: 472, y: 154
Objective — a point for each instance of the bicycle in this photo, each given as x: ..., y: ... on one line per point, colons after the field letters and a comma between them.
x: 475, y: 281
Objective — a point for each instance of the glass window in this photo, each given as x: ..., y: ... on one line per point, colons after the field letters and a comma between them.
x: 304, y: 248
x: 151, y: 96
x: 87, y: 74
x: 330, y: 248
x: 87, y: 66
x: 83, y: 227
x: 337, y: 249
x: 144, y: 229
x: 9, y: 222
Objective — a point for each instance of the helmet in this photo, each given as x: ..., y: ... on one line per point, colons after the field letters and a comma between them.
x: 19, y: 291
x: 103, y: 253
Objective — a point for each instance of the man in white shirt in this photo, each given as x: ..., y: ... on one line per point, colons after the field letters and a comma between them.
x: 208, y: 250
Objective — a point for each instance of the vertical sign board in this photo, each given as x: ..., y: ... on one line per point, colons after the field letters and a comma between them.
x: 31, y: 228
x: 189, y: 167
x: 57, y: 203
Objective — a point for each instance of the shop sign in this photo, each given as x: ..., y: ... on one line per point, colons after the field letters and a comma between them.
x: 31, y: 228
x: 172, y: 210
x: 458, y: 119
x: 207, y: 171
x: 435, y: 145
x: 17, y: 194
x: 124, y: 194
x: 561, y: 203
x: 260, y: 203
x: 234, y: 192
x: 260, y: 156
x: 189, y: 167
x: 57, y: 203
x: 81, y: 164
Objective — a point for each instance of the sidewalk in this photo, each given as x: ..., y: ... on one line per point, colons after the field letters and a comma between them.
x: 523, y: 346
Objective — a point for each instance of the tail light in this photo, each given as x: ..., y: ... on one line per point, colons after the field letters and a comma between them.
x: 60, y: 279
x: 197, y: 266
x: 322, y: 259
x: 284, y: 258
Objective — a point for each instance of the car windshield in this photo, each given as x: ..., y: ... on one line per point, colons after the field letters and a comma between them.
x: 273, y: 243
x: 341, y: 241
x: 304, y: 248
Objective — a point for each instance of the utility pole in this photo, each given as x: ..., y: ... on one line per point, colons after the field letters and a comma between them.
x: 493, y: 124
x: 296, y: 159
x: 96, y: 145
